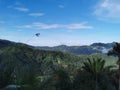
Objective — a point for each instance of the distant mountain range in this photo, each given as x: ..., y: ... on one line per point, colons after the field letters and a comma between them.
x: 101, y: 48
x: 82, y: 50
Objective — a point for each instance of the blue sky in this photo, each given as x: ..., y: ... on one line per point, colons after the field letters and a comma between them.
x: 70, y: 22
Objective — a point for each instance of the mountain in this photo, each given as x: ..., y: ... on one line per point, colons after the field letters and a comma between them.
x: 102, y: 48
x: 106, y: 45
x: 4, y: 43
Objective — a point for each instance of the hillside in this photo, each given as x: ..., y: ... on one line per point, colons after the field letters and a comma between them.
x: 18, y: 54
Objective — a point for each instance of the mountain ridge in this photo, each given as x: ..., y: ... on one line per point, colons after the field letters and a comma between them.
x: 99, y: 47
x: 85, y: 49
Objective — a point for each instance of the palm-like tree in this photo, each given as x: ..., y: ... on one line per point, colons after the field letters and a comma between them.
x: 116, y: 52
x: 96, y: 68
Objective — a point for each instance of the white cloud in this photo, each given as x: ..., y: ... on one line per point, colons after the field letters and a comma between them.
x: 68, y: 26
x: 2, y: 22
x: 78, y: 26
x: 23, y: 9
x: 50, y: 42
x: 24, y: 26
x: 43, y: 42
x: 70, y: 30
x: 2, y: 29
x: 18, y: 6
x: 39, y: 25
x: 18, y: 3
x: 45, y: 26
x: 61, y: 6
x: 108, y: 10
x: 36, y: 14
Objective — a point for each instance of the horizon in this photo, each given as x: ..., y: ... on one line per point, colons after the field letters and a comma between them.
x: 60, y: 44
x: 60, y: 22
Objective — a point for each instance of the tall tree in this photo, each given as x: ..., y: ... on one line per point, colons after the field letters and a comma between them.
x: 96, y: 68
x: 116, y: 52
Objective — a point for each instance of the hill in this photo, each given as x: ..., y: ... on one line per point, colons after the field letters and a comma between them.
x: 18, y: 54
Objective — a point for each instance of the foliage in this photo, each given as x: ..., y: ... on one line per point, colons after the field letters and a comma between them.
x: 95, y: 76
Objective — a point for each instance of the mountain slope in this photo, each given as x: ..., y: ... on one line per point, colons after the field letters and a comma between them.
x: 18, y: 54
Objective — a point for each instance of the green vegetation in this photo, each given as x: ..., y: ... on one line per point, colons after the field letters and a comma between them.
x: 24, y: 67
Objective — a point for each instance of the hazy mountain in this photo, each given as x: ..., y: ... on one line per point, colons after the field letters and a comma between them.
x: 78, y: 50
x: 86, y: 50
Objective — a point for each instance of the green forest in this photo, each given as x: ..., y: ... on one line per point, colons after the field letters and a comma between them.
x: 24, y: 67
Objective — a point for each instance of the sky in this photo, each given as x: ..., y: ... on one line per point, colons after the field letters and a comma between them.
x: 69, y: 22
